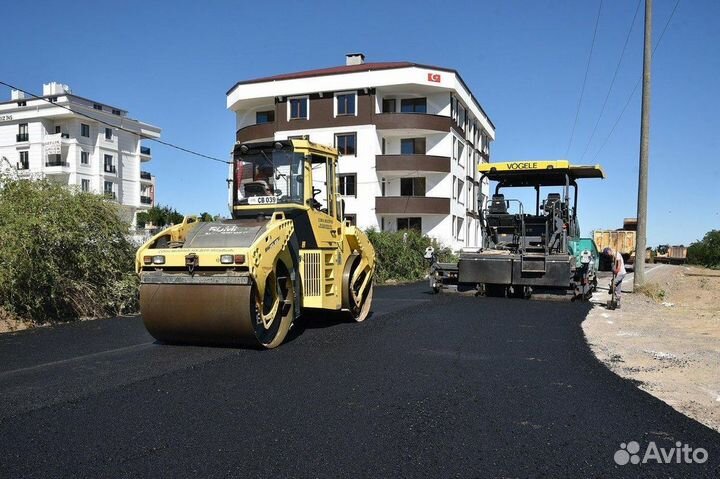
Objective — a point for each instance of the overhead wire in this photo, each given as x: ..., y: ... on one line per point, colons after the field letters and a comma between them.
x: 587, y: 69
x: 99, y: 120
x: 637, y: 84
x: 612, y: 82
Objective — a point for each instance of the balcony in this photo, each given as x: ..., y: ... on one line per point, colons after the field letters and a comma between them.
x: 417, y: 205
x: 20, y: 137
x: 56, y: 162
x: 146, y: 200
x: 439, y: 164
x: 412, y: 121
x: 261, y: 131
x: 145, y: 175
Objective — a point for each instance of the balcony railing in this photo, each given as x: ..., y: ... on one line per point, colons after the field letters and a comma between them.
x: 146, y: 200
x: 417, y: 121
x: 110, y: 169
x: 56, y: 163
x: 22, y: 137
x: 440, y: 164
x: 145, y: 150
x: 420, y: 205
x: 145, y: 175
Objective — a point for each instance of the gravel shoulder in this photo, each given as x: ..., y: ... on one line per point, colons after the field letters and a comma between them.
x: 668, y: 344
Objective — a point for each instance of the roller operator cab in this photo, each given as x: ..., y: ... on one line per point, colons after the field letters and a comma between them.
x: 536, y: 248
x: 285, y: 252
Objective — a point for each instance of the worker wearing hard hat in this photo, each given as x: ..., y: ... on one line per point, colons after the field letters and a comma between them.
x: 618, y: 269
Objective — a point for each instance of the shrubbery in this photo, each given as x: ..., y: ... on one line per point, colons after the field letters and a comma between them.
x: 400, y: 254
x: 63, y: 254
x: 707, y: 251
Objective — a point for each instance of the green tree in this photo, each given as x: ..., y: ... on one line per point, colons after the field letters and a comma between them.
x: 707, y: 251
x: 399, y: 254
x: 159, y: 216
x: 64, y: 254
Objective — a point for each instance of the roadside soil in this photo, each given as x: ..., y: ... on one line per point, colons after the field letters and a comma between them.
x: 8, y: 324
x: 665, y: 339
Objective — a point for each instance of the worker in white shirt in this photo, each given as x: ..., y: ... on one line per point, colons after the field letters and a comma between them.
x: 618, y: 268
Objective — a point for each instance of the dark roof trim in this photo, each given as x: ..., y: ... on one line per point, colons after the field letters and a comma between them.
x: 361, y: 68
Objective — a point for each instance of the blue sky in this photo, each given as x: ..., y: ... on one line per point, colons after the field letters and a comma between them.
x: 170, y: 64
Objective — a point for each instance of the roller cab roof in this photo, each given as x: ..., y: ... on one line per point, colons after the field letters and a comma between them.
x: 537, y: 172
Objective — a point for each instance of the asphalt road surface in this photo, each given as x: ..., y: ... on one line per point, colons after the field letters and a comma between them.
x: 430, y: 386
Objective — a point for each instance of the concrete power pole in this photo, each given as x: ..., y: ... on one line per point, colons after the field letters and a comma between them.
x: 641, y: 238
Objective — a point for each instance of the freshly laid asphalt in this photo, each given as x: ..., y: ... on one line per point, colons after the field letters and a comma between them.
x: 429, y: 386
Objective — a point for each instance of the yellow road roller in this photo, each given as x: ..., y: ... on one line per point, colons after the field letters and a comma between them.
x: 286, y: 252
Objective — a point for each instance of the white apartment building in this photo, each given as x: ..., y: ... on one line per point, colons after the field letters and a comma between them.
x: 411, y: 137
x: 41, y: 139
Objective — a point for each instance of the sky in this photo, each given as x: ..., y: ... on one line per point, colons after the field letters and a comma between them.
x: 171, y: 63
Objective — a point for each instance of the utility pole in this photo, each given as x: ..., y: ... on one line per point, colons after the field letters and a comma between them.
x: 641, y: 237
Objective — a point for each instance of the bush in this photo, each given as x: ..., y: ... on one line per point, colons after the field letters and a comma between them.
x: 64, y: 254
x: 707, y: 251
x: 400, y: 257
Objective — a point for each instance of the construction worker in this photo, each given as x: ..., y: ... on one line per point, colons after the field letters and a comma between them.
x: 618, y: 269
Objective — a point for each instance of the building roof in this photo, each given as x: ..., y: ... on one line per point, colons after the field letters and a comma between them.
x: 363, y: 67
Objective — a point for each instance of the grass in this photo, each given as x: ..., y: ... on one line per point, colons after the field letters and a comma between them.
x: 652, y: 291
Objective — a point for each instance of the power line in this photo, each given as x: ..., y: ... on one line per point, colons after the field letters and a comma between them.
x: 587, y: 69
x: 612, y: 82
x: 637, y: 84
x: 144, y: 137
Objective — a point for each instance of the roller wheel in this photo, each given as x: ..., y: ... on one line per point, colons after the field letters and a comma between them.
x: 273, y: 313
x: 360, y: 301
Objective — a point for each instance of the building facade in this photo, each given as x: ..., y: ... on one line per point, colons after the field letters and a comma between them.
x: 41, y: 138
x: 410, y: 137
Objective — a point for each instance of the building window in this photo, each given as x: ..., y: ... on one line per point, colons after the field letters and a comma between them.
x: 409, y: 224
x: 345, y: 143
x: 459, y: 191
x: 84, y: 158
x: 52, y: 99
x: 412, y: 186
x: 299, y: 108
x: 108, y: 134
x: 116, y: 112
x: 108, y: 189
x: 458, y: 221
x: 85, y: 185
x: 84, y: 130
x: 22, y: 103
x: 347, y: 184
x: 454, y: 188
x: 351, y: 218
x: 412, y: 146
x: 383, y: 183
x: 23, y: 134
x: 388, y: 105
x: 264, y: 117
x: 345, y: 104
x: 24, y: 162
x: 109, y: 167
x: 413, y: 105
x: 97, y: 106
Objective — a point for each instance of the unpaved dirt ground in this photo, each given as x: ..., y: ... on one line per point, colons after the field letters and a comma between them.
x: 669, y: 345
x: 8, y: 324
